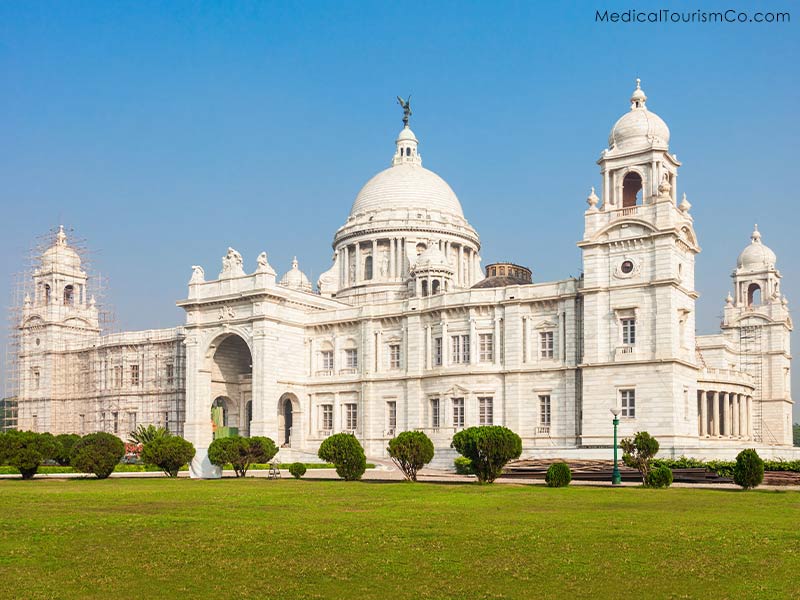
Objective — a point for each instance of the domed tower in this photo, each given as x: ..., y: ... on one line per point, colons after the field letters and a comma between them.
x: 431, y: 273
x: 397, y: 216
x: 295, y: 278
x: 639, y: 248
x: 57, y: 316
x: 758, y: 326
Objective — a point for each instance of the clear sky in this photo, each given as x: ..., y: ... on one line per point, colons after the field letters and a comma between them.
x: 163, y: 132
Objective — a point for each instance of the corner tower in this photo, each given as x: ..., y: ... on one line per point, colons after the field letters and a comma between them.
x: 639, y: 248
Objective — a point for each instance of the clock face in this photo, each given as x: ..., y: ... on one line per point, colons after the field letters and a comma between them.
x: 626, y: 267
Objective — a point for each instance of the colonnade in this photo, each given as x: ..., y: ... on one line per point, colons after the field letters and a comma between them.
x: 724, y: 415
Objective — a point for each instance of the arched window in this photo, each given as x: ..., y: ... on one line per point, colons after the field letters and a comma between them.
x: 631, y: 189
x: 424, y: 287
x: 46, y: 294
x: 435, y: 286
x: 368, y: 268
x: 754, y: 295
x: 69, y: 295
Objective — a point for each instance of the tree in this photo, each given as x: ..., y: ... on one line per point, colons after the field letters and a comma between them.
x: 147, y: 433
x: 65, y: 443
x: 168, y: 453
x: 748, y: 472
x: 796, y: 434
x: 241, y: 452
x: 558, y: 475
x: 97, y: 453
x: 639, y: 452
x: 346, y: 454
x: 489, y: 447
x: 27, y: 450
x: 410, y: 451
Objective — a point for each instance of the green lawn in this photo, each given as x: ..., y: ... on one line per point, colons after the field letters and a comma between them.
x: 253, y: 538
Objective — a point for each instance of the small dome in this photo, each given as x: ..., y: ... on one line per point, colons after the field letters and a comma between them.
x: 639, y: 128
x: 295, y: 278
x: 432, y: 258
x: 406, y: 135
x: 756, y: 256
x: 60, y: 256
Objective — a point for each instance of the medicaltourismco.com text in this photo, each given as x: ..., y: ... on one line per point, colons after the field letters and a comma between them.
x: 666, y: 15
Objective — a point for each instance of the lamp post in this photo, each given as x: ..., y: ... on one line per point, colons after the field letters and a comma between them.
x: 616, y: 478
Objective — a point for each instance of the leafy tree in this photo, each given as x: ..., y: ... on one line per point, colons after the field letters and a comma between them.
x: 97, y: 453
x: 27, y: 450
x: 749, y: 469
x: 65, y: 443
x: 297, y: 470
x: 410, y: 451
x: 346, y: 454
x: 558, y: 475
x: 489, y: 447
x: 796, y: 434
x: 147, y: 433
x: 639, y: 452
x: 168, y: 453
x: 241, y: 452
x: 660, y: 476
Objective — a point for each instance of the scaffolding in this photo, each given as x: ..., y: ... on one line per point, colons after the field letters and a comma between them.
x: 751, y: 362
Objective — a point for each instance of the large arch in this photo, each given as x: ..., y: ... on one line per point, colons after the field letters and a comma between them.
x: 229, y: 362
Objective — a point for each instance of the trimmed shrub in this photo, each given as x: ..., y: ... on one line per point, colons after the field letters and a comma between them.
x: 489, y: 447
x: 463, y: 466
x: 347, y: 455
x: 97, y: 453
x: 660, y: 476
x: 27, y: 450
x: 639, y: 452
x: 410, y: 451
x: 558, y: 475
x: 297, y: 470
x: 241, y: 452
x: 65, y: 443
x: 749, y: 470
x: 168, y: 453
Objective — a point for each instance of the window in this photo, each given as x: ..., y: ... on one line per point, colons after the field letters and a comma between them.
x: 486, y: 342
x: 351, y: 358
x: 460, y: 345
x: 544, y: 410
x: 170, y: 374
x: 115, y: 422
x: 368, y: 268
x: 69, y: 295
x: 628, y: 401
x: 458, y: 413
x: 82, y: 424
x: 391, y: 416
x: 327, y: 360
x: 546, y: 344
x: 394, y: 356
x: 36, y: 378
x: 435, y: 420
x: 626, y: 267
x: 485, y: 411
x: 437, y: 352
x: 327, y: 417
x: 166, y: 420
x: 351, y: 417
x: 628, y: 331
x: 134, y: 374
x: 631, y: 190
x: 118, y: 377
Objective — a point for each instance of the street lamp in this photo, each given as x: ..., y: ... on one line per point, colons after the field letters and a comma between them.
x: 616, y: 478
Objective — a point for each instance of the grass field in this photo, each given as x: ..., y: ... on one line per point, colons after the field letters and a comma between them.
x: 253, y: 538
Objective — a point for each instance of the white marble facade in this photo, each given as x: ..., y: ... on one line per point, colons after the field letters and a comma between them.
x: 404, y: 332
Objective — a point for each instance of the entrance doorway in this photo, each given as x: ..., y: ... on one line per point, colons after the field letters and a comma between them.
x: 287, y: 421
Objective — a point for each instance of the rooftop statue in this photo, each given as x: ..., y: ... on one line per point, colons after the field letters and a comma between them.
x: 406, y: 104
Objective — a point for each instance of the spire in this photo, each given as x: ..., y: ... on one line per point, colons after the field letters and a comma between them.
x: 638, y: 98
x: 61, y: 237
x: 755, y: 237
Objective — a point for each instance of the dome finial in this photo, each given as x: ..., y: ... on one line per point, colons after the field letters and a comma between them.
x: 61, y: 237
x: 406, y: 104
x: 756, y: 235
x: 638, y: 98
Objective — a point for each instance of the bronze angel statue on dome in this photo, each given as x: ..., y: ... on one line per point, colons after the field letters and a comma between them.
x: 406, y: 104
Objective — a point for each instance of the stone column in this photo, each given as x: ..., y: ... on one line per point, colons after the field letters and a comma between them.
x: 725, y: 397
x: 357, y: 261
x: 428, y: 347
x: 750, y: 417
x: 496, y: 336
x: 375, y: 265
x: 473, y: 343
x: 703, y: 413
x: 347, y: 266
x: 378, y: 352
x: 392, y: 259
x: 445, y: 346
x: 715, y: 412
x: 742, y: 416
x: 525, y: 340
x: 735, y: 415
x: 460, y: 266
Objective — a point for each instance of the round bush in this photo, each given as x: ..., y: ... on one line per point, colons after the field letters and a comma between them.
x: 558, y: 475
x: 241, y: 452
x: 748, y: 472
x: 97, y: 453
x: 659, y: 476
x: 168, y: 453
x: 463, y: 466
x: 65, y: 443
x: 489, y: 447
x: 346, y: 454
x: 410, y: 451
x: 297, y: 470
x: 27, y: 450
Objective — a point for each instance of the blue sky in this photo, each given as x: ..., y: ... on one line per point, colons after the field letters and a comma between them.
x: 163, y: 132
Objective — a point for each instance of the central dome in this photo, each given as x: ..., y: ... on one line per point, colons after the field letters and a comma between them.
x: 407, y: 186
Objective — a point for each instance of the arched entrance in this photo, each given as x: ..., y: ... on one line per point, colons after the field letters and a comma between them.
x: 288, y: 413
x: 287, y: 421
x: 231, y: 386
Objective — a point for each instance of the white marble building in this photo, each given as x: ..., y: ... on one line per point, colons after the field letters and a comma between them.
x: 405, y: 332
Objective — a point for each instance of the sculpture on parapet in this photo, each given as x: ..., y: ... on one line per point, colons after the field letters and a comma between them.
x: 232, y: 265
x: 198, y: 275
x: 263, y: 265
